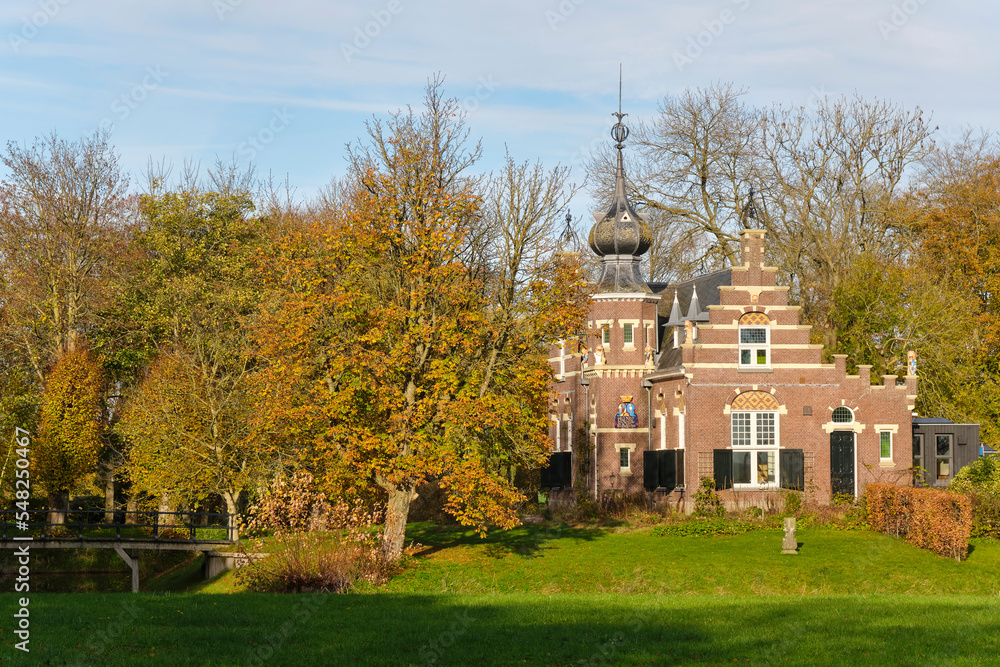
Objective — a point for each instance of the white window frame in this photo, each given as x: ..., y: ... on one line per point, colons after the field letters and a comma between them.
x: 755, y: 447
x: 882, y: 434
x: 950, y: 458
x: 842, y: 407
x: 634, y: 325
x: 628, y: 334
x: 606, y: 334
x: 753, y: 348
x: 627, y: 447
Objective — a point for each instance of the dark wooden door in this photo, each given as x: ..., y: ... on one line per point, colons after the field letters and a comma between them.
x: 842, y: 462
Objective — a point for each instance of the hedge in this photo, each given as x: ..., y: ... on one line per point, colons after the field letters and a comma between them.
x: 935, y: 520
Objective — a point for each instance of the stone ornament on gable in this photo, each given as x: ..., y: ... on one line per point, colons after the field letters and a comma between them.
x: 649, y: 355
x: 599, y: 358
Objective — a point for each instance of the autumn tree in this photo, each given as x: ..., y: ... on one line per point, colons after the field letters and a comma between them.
x: 184, y: 313
x: 883, y: 309
x: 188, y: 424
x: 955, y: 210
x: 64, y: 208
x: 68, y: 442
x: 383, y: 360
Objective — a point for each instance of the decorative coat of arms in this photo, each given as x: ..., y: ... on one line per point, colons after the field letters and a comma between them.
x: 626, y: 414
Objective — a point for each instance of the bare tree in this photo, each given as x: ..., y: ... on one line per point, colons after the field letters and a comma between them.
x: 517, y: 232
x: 830, y: 179
x: 691, y: 169
x: 821, y: 180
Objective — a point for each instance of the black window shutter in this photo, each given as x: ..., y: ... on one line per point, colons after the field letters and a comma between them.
x: 558, y: 471
x: 723, y: 464
x: 566, y: 470
x: 650, y: 471
x: 668, y: 468
x: 546, y: 481
x: 792, y: 465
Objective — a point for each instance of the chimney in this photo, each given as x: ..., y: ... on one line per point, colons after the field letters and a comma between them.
x: 752, y: 247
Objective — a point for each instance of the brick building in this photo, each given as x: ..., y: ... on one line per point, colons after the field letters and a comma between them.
x: 713, y: 377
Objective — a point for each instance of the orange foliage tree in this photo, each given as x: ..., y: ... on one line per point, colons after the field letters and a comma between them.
x: 958, y: 220
x: 69, y: 430
x: 382, y: 361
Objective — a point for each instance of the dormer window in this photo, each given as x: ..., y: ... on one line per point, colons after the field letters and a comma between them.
x: 755, y: 341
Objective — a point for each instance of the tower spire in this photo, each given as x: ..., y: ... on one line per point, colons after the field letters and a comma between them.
x: 621, y: 235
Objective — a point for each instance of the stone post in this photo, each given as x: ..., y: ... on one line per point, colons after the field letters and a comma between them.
x: 789, y: 545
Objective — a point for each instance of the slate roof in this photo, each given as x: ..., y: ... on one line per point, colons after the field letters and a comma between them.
x: 707, y: 287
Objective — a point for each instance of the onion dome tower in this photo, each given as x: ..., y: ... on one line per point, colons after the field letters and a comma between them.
x: 621, y: 236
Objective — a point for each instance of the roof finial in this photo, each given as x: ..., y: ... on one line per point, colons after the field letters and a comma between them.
x: 749, y: 210
x: 620, y: 131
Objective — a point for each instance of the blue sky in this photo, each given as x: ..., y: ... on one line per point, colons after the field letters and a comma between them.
x: 289, y: 83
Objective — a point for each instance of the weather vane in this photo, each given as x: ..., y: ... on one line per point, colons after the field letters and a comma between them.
x: 619, y: 132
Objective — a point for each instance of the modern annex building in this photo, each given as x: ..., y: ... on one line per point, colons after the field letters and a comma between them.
x: 713, y: 377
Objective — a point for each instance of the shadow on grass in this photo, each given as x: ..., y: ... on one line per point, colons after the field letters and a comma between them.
x: 526, y: 541
x: 506, y: 630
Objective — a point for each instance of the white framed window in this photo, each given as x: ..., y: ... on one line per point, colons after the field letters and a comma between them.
x: 606, y: 335
x: 885, y: 445
x: 755, y: 347
x: 755, y: 468
x: 942, y: 458
x: 842, y: 415
x: 755, y: 449
x: 625, y: 459
x: 627, y: 333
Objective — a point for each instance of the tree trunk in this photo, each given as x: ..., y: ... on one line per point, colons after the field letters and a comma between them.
x: 131, y: 509
x: 162, y: 518
x: 233, y: 509
x: 394, y: 535
x: 58, y: 507
x: 109, y: 497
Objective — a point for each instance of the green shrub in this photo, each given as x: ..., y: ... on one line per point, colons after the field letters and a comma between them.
x: 706, y: 501
x: 985, y: 514
x: 312, y: 562
x: 980, y: 476
x: 935, y: 520
x: 704, y: 527
x: 793, y: 502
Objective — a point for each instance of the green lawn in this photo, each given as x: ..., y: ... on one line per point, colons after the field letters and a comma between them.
x: 562, y: 559
x: 511, y: 629
x: 560, y: 595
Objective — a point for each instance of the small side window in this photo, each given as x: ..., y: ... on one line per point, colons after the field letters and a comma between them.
x: 885, y: 445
